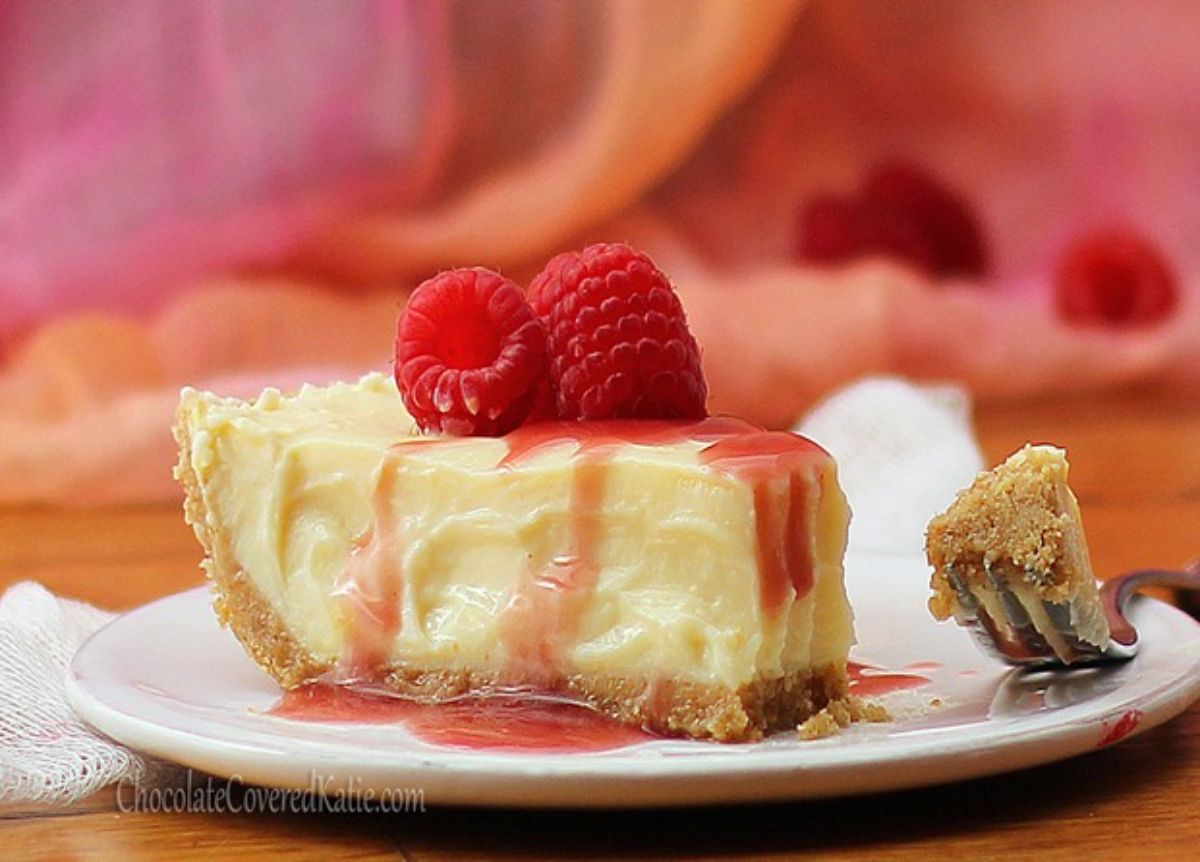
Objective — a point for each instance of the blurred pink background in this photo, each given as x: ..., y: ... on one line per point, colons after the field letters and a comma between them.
x: 233, y: 194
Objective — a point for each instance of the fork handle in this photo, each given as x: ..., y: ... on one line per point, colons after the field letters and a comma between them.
x: 1114, y: 594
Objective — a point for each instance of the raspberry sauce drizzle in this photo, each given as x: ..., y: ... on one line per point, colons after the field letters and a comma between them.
x: 784, y: 472
x: 496, y: 723
x: 547, y: 606
x: 784, y: 517
x: 534, y: 439
x: 779, y: 467
x: 369, y: 588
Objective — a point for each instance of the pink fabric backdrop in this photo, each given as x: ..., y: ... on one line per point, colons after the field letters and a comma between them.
x: 231, y: 194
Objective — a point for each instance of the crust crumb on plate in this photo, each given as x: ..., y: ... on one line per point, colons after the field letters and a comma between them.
x: 839, y: 714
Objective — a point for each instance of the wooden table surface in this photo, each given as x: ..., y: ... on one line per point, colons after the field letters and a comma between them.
x: 1136, y: 469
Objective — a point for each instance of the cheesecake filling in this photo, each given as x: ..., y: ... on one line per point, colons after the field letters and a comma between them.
x: 709, y: 552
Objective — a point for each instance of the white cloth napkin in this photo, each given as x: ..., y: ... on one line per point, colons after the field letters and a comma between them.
x: 46, y: 753
x: 902, y: 450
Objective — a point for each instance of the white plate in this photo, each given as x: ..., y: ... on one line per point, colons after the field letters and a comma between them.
x: 165, y: 679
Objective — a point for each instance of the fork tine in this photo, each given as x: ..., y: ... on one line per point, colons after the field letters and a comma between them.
x: 1015, y: 645
x: 1011, y: 643
x: 1017, y: 639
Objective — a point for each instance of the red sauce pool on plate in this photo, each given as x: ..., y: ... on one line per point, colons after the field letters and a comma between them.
x: 870, y: 681
x: 497, y: 723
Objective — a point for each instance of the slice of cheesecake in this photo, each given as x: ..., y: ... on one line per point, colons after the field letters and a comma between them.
x: 682, y: 576
x: 1011, y: 551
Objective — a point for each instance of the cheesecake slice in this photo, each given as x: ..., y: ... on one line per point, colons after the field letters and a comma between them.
x: 686, y: 577
x: 1011, y: 551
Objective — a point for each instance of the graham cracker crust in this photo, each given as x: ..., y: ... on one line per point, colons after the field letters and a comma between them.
x: 239, y: 605
x: 670, y: 707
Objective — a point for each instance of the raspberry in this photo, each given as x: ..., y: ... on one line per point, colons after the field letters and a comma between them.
x: 618, y: 341
x: 829, y: 230
x: 469, y: 354
x: 543, y: 407
x: 940, y: 213
x: 902, y: 213
x: 1115, y: 278
x: 894, y: 234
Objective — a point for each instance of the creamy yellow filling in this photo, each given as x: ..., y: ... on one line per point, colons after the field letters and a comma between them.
x: 299, y: 483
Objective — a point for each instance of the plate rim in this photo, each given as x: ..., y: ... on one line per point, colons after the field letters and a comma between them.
x: 505, y: 779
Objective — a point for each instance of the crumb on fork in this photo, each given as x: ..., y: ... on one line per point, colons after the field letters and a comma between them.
x: 1018, y: 521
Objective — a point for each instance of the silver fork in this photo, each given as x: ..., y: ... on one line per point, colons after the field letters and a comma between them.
x: 1021, y: 643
